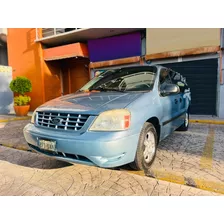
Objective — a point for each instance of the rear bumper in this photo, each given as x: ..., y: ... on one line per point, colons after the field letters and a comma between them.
x: 91, y: 148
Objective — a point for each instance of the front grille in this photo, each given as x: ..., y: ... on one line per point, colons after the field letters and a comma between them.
x: 61, y: 121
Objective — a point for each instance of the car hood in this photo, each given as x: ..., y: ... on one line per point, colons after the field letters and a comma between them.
x: 90, y: 103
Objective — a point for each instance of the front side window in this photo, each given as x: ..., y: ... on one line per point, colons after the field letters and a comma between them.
x: 179, y: 80
x: 164, y: 78
x: 124, y: 79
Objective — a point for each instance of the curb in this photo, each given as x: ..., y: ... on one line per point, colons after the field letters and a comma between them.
x: 221, y: 122
x: 15, y: 119
x: 18, y: 147
x: 173, y: 177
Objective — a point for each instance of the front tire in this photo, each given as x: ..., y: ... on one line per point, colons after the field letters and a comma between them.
x: 146, y: 150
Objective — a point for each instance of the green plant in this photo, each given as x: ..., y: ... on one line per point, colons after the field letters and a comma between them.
x: 21, y: 100
x: 21, y: 85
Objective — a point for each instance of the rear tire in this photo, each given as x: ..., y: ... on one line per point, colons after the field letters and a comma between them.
x: 146, y: 150
x: 185, y: 125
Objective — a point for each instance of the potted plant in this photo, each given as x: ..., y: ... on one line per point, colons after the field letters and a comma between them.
x: 20, y: 86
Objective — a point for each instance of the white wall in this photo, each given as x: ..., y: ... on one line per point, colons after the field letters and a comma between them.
x: 221, y: 102
x: 6, y: 95
x: 221, y: 92
x: 160, y: 40
x: 3, y: 30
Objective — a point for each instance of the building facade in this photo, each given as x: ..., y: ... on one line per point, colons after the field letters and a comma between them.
x: 3, y: 47
x: 196, y: 54
x: 6, y: 96
x: 60, y: 60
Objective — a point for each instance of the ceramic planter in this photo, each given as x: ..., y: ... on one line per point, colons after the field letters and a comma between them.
x: 22, y: 110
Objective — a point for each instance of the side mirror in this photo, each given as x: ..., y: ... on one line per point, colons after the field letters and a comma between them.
x: 170, y: 89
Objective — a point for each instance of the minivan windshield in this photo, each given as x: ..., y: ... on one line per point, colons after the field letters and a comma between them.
x: 140, y: 78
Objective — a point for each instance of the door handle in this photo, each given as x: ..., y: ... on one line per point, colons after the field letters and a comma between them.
x: 176, y: 101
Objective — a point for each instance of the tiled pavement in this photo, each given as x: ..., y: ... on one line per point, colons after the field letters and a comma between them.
x: 195, y: 157
x: 26, y: 173
x: 197, y: 154
x: 11, y: 134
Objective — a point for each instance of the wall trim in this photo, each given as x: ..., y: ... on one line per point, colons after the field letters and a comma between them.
x: 183, y: 59
x: 186, y: 52
x: 121, y: 61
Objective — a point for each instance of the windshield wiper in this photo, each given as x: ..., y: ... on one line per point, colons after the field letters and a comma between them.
x: 87, y: 90
x: 109, y: 90
x: 80, y: 91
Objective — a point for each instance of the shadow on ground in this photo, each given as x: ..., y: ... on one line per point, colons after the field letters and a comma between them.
x: 29, y: 159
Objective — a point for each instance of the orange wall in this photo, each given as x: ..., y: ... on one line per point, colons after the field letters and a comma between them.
x: 66, y: 51
x: 75, y: 74
x: 79, y: 74
x: 26, y: 58
x: 24, y: 55
x: 52, y: 80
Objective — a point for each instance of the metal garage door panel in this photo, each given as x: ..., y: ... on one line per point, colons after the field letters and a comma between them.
x: 202, y: 79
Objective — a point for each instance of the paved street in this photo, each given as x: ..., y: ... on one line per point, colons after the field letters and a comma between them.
x: 195, y: 158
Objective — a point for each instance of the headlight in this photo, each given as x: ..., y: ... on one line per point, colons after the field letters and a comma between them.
x: 112, y: 120
x: 33, y: 117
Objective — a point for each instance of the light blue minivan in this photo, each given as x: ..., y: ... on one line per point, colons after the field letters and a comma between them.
x: 117, y: 118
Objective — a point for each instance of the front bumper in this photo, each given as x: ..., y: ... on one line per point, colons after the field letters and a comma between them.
x: 104, y: 149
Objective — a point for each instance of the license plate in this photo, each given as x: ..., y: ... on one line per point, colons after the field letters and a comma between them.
x: 47, y: 145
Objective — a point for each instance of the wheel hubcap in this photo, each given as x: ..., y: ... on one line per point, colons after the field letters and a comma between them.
x: 150, y: 147
x: 186, y: 120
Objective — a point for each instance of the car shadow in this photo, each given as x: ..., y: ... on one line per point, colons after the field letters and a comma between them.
x: 31, y: 159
